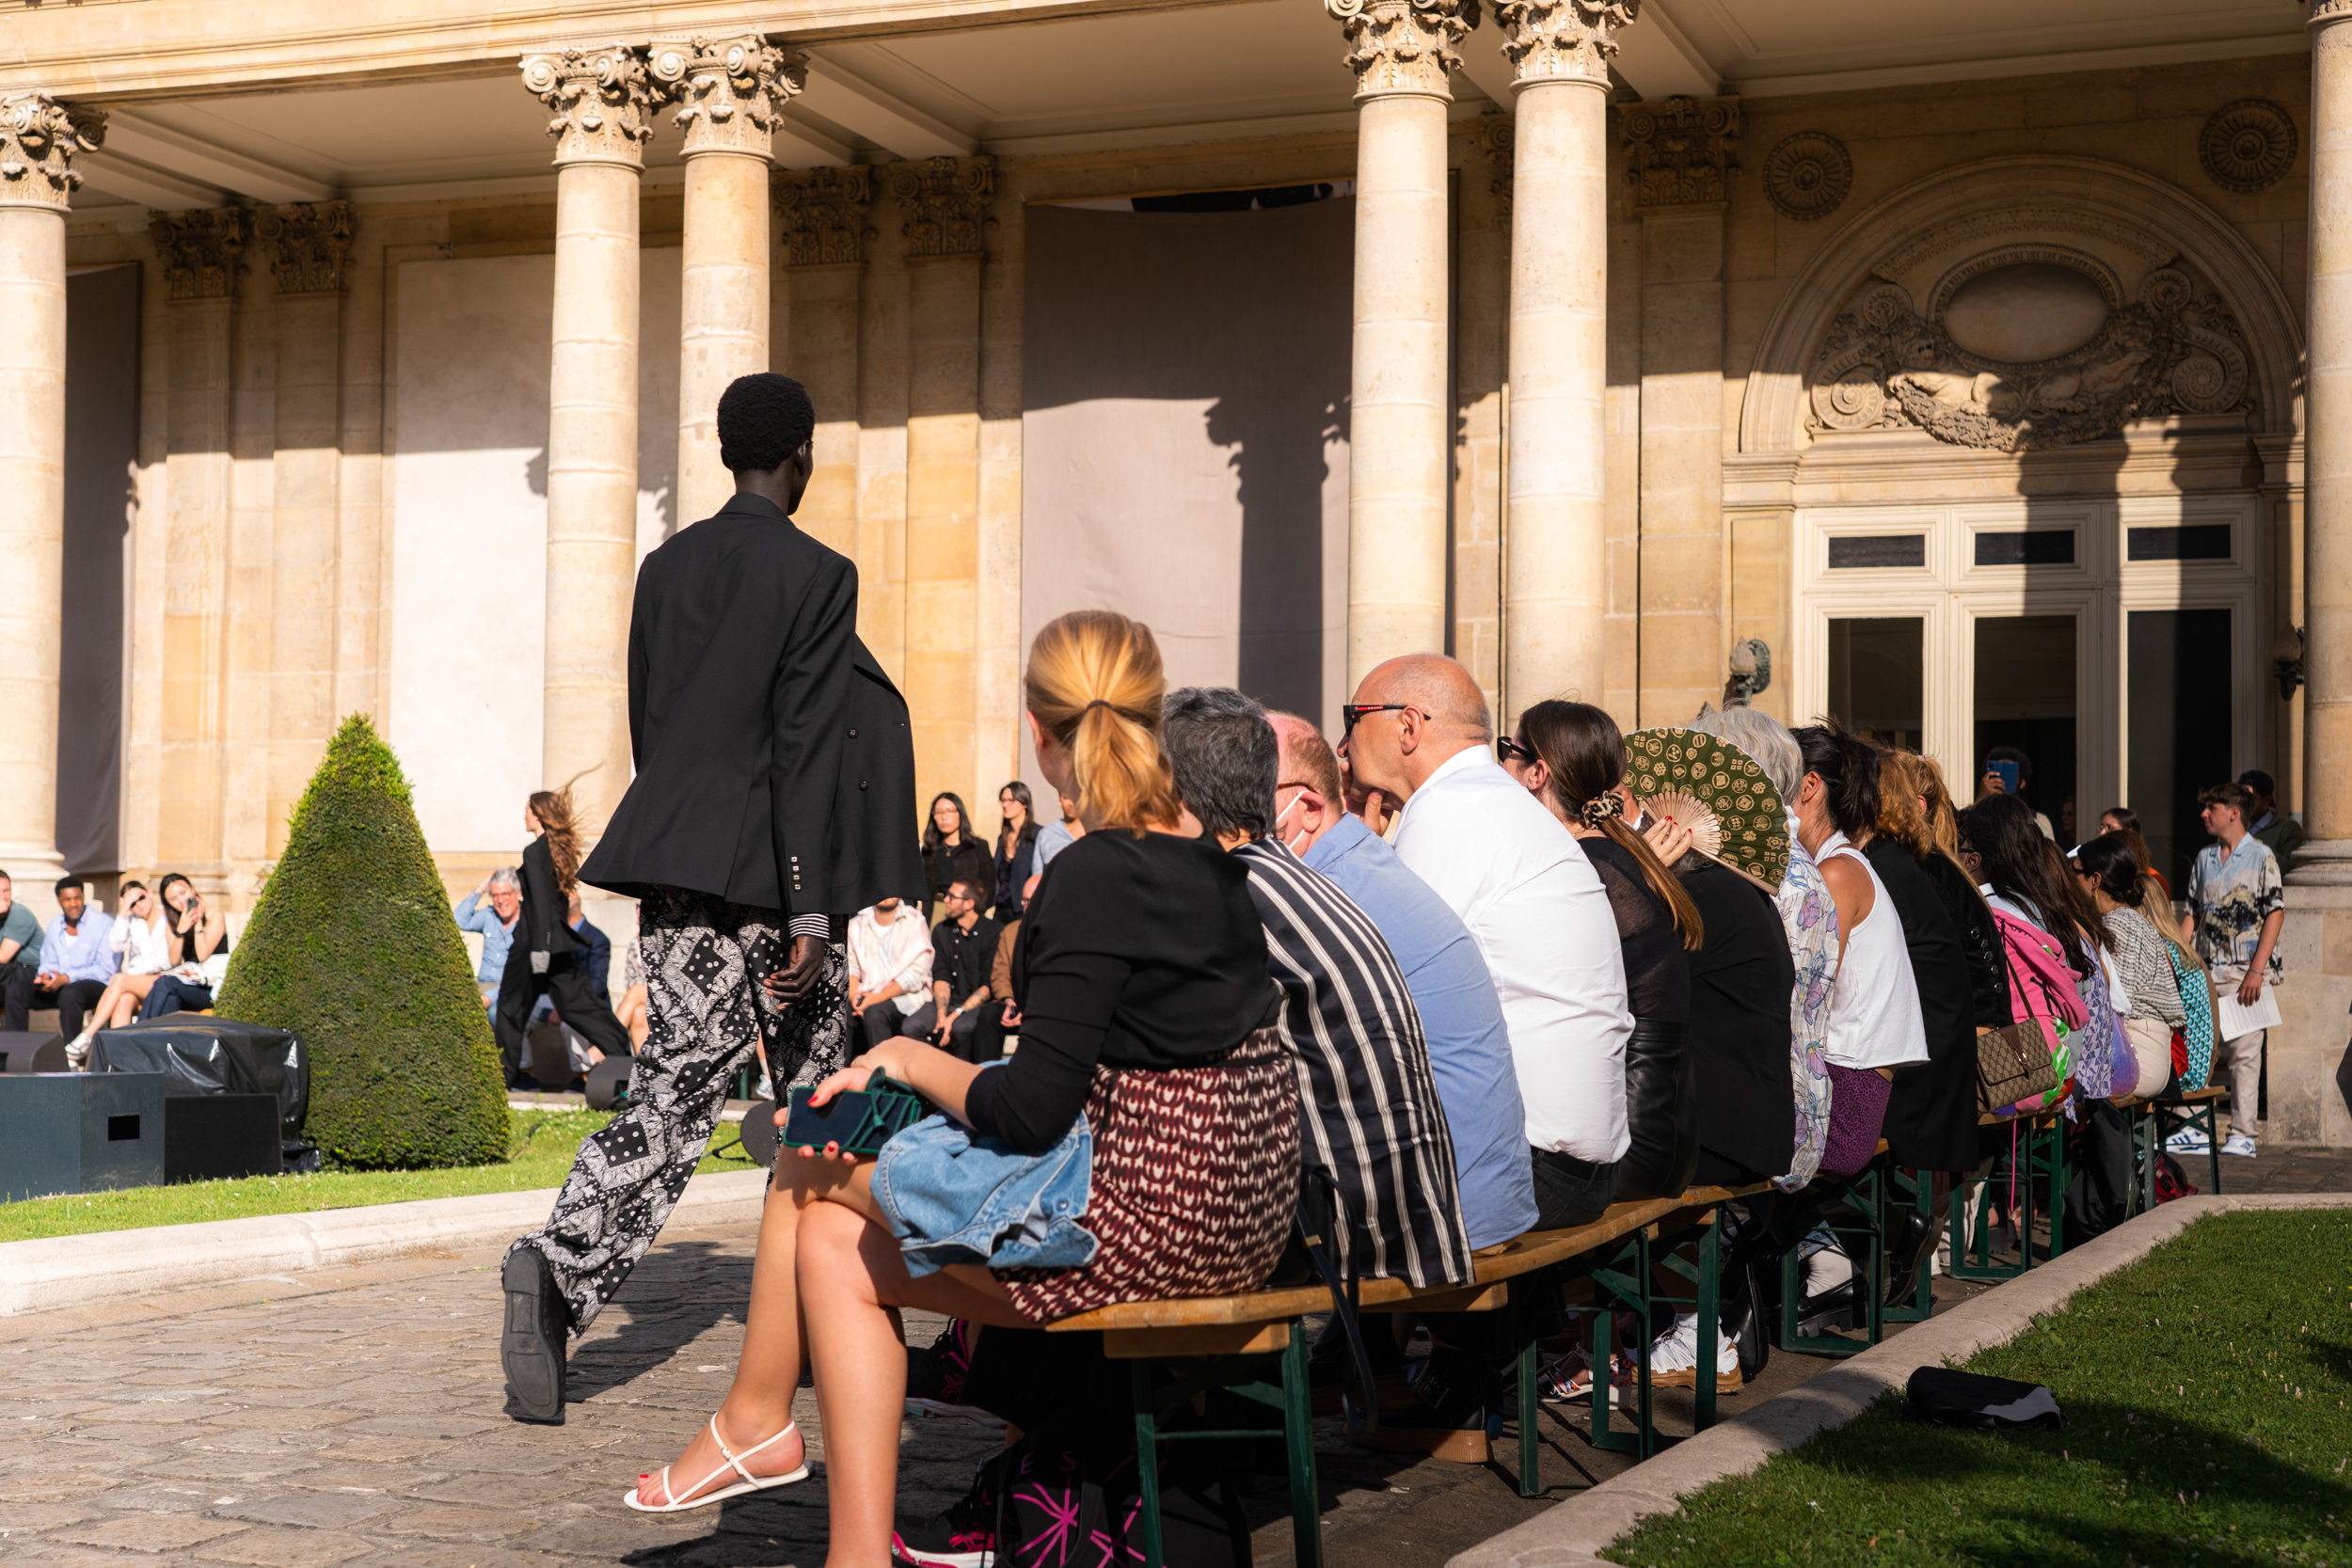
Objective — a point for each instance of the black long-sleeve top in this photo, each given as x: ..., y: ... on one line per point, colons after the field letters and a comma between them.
x: 1656, y: 969
x: 1979, y: 941
x: 1137, y: 953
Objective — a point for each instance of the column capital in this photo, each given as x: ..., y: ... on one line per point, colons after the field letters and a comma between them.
x: 309, y: 242
x: 202, y: 250
x: 1678, y: 151
x: 947, y: 202
x: 2325, y: 11
x: 821, y: 212
x: 1563, y: 40
x: 1401, y: 47
x: 38, y: 137
x: 601, y: 99
x: 727, y: 90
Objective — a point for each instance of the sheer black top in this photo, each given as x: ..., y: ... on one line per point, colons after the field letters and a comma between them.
x: 1137, y: 953
x: 1740, y: 983
x: 1979, y: 941
x: 1657, y: 971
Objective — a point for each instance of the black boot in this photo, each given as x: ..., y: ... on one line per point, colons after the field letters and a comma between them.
x: 531, y: 1347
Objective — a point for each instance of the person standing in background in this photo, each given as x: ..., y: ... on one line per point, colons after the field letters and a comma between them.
x: 950, y: 852
x: 2281, y: 833
x: 1055, y: 837
x: 1994, y: 780
x: 2237, y: 903
x: 1016, y: 852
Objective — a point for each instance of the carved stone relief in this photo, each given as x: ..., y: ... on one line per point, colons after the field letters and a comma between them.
x: 1679, y: 152
x: 947, y: 202
x: 310, y: 241
x: 821, y: 212
x: 1561, y: 40
x: 38, y: 137
x: 2248, y: 145
x: 727, y: 90
x: 1491, y: 135
x: 2092, y: 360
x: 202, y: 250
x: 601, y: 99
x: 1808, y: 175
x: 1401, y: 45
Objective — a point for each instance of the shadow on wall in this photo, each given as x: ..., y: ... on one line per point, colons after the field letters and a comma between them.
x: 1185, y: 413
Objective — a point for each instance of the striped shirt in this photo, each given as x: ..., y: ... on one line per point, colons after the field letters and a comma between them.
x: 1373, y: 1120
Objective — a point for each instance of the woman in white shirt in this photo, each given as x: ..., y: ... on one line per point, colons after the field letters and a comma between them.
x: 141, y: 940
x: 1875, y: 1024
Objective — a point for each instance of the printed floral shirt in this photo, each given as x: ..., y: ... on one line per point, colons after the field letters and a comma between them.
x: 2232, y: 892
x: 1811, y: 921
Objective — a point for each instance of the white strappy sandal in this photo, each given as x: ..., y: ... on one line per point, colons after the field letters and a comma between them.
x: 734, y: 1461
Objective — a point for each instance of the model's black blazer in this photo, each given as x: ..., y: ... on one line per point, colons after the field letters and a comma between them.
x: 775, y: 764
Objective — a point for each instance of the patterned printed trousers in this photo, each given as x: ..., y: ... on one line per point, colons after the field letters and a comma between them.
x: 705, y: 959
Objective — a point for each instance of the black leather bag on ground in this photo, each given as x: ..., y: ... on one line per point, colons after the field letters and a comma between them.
x: 1943, y: 1397
x: 1661, y: 1112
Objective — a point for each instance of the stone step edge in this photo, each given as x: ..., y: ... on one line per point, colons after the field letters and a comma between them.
x: 53, y: 1272
x: 1577, y: 1531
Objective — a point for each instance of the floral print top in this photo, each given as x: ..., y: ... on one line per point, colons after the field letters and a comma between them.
x: 1811, y: 921
x: 2232, y: 891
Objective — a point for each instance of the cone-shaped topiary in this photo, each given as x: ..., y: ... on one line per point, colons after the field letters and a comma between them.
x: 353, y: 947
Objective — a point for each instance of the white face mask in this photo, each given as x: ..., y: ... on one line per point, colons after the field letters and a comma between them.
x: 1282, y: 811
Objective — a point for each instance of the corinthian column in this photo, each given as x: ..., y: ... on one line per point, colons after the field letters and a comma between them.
x: 600, y: 99
x: 1553, y: 595
x: 1399, y: 431
x: 38, y: 137
x: 727, y: 92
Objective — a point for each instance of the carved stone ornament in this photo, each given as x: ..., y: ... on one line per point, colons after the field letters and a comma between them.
x: 309, y: 242
x: 1403, y: 46
x: 2247, y: 145
x: 38, y: 137
x: 822, y: 214
x: 1491, y: 134
x: 2099, y: 363
x: 727, y: 90
x: 1563, y: 40
x: 202, y: 250
x: 1679, y: 152
x: 2332, y: 10
x: 947, y: 202
x: 1808, y: 175
x: 602, y: 98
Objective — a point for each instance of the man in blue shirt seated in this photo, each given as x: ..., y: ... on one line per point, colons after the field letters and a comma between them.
x: 495, y: 922
x: 72, y: 963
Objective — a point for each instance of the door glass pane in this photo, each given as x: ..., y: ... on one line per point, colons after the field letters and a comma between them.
x: 2026, y: 699
x: 1875, y: 678
x: 2178, y: 697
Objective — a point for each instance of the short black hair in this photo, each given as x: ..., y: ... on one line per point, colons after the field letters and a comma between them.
x: 2011, y: 754
x: 763, y: 419
x: 1225, y: 756
x: 66, y: 881
x: 2259, y: 781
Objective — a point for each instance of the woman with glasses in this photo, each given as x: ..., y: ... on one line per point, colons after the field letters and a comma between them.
x: 950, y: 853
x: 1016, y: 850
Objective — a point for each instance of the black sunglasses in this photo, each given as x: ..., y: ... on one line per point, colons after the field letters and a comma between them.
x: 1506, y: 747
x: 1350, y: 712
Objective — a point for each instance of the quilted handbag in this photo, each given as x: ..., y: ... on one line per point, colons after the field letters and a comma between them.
x: 2196, y: 1001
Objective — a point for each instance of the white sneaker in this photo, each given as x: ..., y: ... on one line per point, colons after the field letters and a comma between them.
x: 1673, y: 1356
x: 78, y: 1051
x: 767, y: 1089
x: 2239, y: 1143
x: 2188, y: 1140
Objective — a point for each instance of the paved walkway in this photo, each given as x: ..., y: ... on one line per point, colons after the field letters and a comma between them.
x: 353, y: 1416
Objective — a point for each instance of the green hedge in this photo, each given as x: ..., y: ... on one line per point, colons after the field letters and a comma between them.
x: 354, y: 948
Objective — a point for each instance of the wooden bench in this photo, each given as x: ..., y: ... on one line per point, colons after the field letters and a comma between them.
x: 1194, y: 1335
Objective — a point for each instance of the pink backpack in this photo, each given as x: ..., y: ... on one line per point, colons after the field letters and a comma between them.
x: 2041, y: 987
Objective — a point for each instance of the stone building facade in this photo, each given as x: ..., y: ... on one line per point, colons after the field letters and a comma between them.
x: 1971, y: 387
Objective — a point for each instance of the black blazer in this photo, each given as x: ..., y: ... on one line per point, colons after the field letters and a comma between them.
x: 546, y: 922
x: 775, y: 763
x: 1931, y: 1111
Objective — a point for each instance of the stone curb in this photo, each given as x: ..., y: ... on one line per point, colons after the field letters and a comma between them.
x: 1574, y: 1534
x: 73, y: 1270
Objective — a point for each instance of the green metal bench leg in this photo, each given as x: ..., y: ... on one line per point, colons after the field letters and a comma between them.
x: 2057, y: 1185
x: 1603, y: 1371
x: 1530, y: 1404
x: 1298, y: 1439
x: 1148, y: 1459
x: 1710, y: 1316
x: 2212, y: 1140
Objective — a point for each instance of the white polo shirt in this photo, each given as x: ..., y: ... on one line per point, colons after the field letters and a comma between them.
x: 1542, y: 919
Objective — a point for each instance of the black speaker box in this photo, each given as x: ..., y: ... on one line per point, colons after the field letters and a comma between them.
x: 219, y: 1137
x: 79, y: 1132
x: 37, y: 1051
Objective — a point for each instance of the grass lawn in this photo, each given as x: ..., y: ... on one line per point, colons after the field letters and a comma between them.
x: 2208, y: 1399
x: 539, y: 1153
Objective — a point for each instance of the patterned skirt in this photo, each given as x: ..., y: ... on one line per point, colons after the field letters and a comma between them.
x: 1857, y: 1113
x: 1195, y: 1183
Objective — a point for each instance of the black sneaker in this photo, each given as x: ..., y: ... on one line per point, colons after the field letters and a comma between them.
x: 1447, y: 1419
x: 532, y: 1347
x: 937, y: 1377
x: 965, y: 1536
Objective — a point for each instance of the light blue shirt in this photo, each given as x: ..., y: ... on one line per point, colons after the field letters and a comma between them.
x: 82, y: 956
x: 1052, y: 839
x: 474, y: 914
x: 1469, y: 1046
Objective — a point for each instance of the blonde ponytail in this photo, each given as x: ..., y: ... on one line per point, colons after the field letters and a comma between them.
x: 1094, y: 683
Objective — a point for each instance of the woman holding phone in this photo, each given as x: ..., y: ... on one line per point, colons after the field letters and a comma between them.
x: 1146, y: 1008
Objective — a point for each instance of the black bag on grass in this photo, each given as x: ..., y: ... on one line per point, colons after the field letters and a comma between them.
x: 1945, y: 1398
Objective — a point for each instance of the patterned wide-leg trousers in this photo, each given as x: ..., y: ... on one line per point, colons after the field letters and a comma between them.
x: 705, y: 959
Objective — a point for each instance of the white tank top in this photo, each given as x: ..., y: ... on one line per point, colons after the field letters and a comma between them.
x: 1874, y: 1017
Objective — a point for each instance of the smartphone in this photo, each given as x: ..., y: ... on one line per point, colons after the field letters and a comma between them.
x: 837, y: 1121
x: 2006, y: 774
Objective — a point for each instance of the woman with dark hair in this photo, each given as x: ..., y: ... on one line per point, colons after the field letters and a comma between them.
x: 2124, y: 820
x: 2023, y: 880
x: 1571, y: 757
x: 545, y: 956
x: 1016, y: 850
x: 2111, y: 875
x: 951, y: 854
x: 1875, y: 1023
x: 1931, y: 1110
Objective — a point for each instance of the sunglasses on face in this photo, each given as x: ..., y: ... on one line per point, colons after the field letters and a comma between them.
x: 1506, y: 747
x: 1351, y: 712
